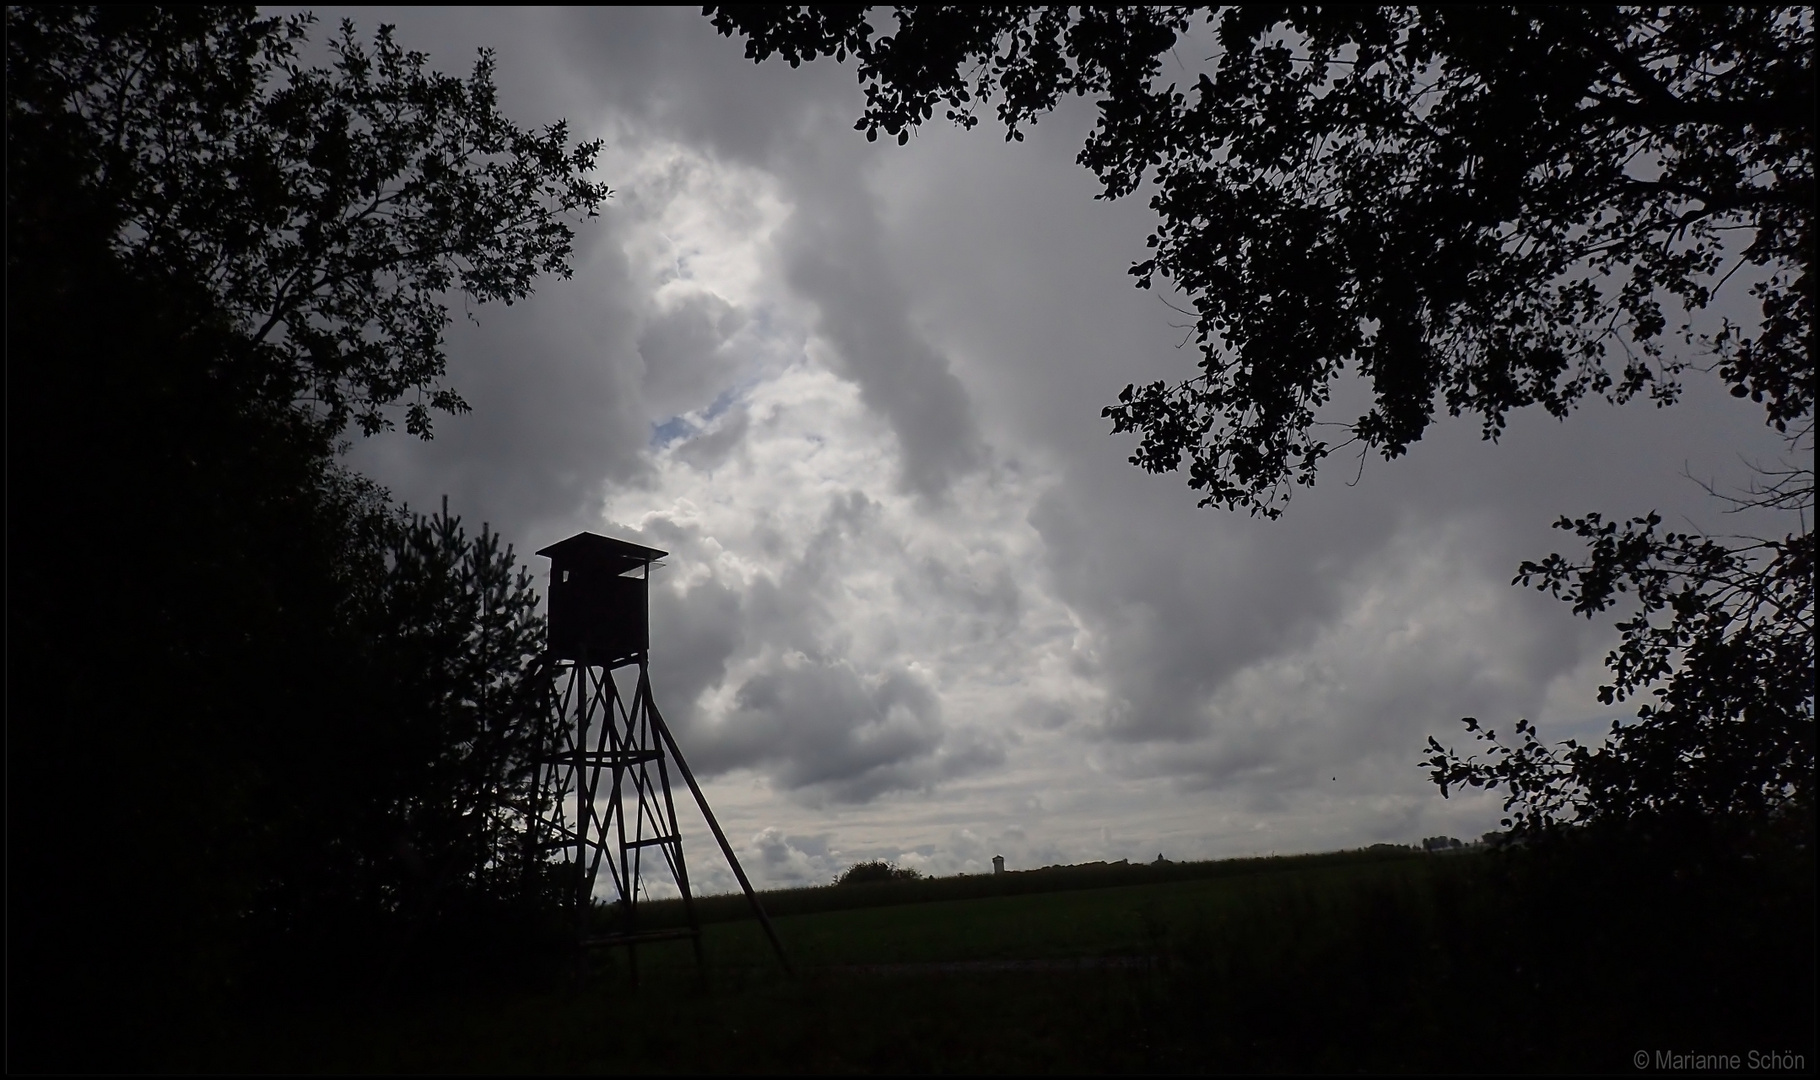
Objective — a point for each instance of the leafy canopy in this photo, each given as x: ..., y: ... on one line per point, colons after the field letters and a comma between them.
x: 1719, y: 645
x: 875, y: 871
x: 330, y: 211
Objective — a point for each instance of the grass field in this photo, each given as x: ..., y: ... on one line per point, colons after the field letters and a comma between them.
x: 1114, y: 912
x: 1332, y: 963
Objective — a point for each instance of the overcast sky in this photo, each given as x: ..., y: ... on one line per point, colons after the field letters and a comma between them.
x: 918, y: 606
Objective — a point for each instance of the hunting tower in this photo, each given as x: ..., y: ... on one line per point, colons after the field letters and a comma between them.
x: 603, y: 782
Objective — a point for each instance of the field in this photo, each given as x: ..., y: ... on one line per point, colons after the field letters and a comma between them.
x: 1367, y: 961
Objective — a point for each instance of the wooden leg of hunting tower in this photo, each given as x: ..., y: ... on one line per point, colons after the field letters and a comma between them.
x: 646, y: 707
x: 681, y: 872
x: 682, y: 766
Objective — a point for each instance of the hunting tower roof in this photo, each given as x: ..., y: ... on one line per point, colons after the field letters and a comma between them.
x: 589, y: 549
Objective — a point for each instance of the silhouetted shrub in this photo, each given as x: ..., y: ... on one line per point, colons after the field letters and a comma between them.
x: 867, y: 873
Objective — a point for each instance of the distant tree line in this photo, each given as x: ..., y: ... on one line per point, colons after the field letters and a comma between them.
x: 264, y: 725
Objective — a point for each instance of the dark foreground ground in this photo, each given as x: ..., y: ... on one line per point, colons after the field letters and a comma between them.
x: 1473, y: 962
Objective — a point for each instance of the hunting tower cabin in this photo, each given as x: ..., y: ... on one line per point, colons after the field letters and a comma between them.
x: 599, y: 612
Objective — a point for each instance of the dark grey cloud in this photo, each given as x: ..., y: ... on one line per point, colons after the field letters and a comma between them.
x: 822, y: 729
x: 554, y: 382
x: 709, y: 448
x: 834, y: 259
x: 824, y: 726
x: 983, y: 605
x: 686, y: 362
x: 668, y: 69
x: 694, y: 632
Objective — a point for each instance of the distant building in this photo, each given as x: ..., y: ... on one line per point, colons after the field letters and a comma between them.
x: 998, y: 864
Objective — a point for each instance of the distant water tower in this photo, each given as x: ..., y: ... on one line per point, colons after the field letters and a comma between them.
x: 603, y: 782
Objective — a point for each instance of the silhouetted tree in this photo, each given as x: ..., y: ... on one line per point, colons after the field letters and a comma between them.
x: 877, y: 870
x: 423, y: 823
x: 328, y: 210
x: 457, y: 625
x: 253, y: 712
x: 1486, y: 208
x: 1722, y: 637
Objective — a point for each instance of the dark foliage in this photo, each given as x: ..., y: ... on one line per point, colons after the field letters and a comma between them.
x: 871, y: 873
x: 329, y: 212
x: 1724, y: 634
x: 261, y: 724
x: 1479, y: 208
x: 1475, y: 963
x: 416, y: 845
x: 1498, y: 963
x: 457, y: 629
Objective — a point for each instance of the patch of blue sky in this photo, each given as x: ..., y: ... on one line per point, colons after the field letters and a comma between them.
x: 691, y: 424
x: 677, y: 427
